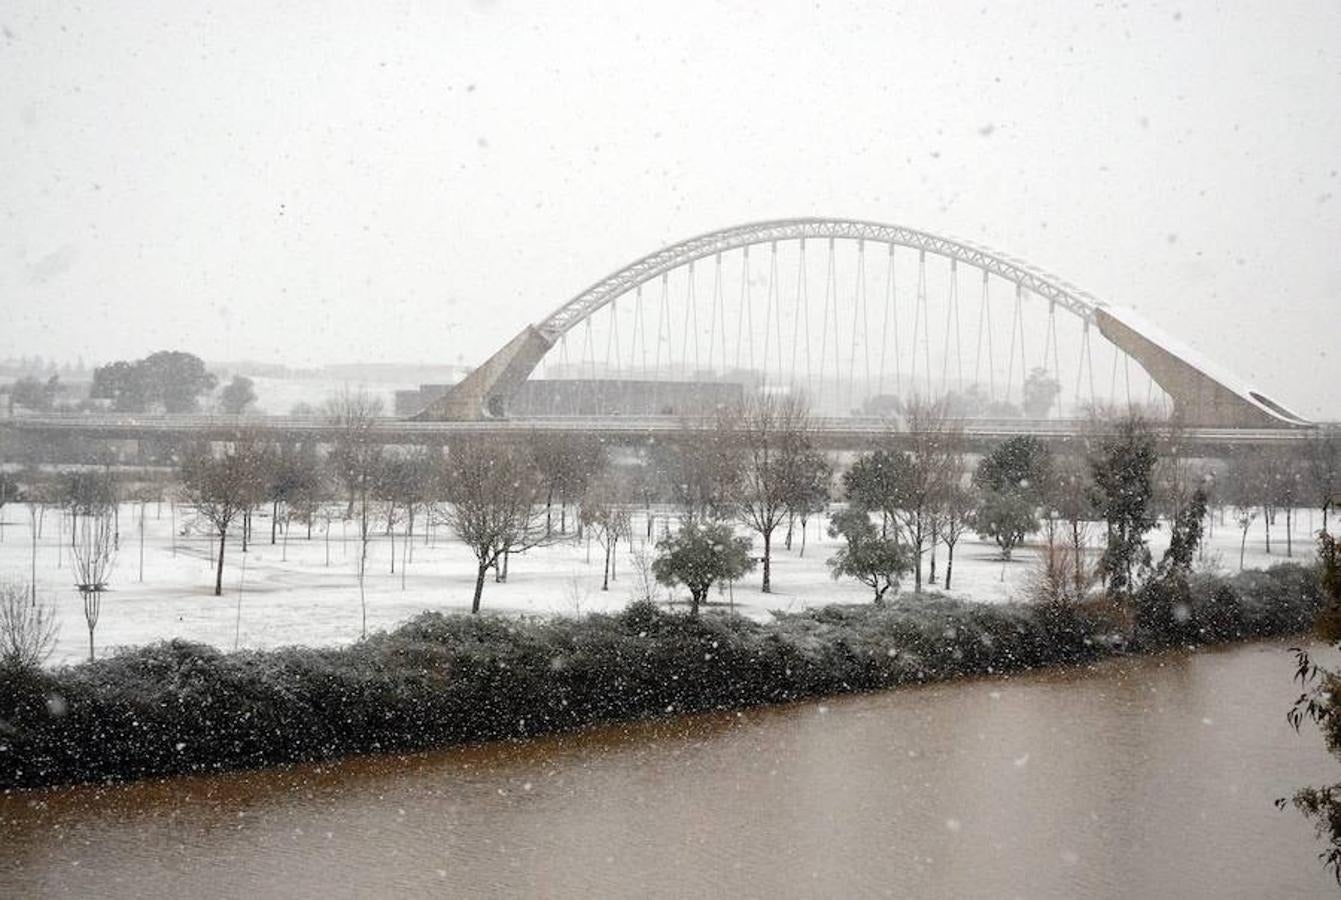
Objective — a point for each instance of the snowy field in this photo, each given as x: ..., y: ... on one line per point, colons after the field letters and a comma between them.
x: 292, y: 594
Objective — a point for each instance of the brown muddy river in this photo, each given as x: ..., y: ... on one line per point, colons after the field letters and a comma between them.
x: 1141, y: 778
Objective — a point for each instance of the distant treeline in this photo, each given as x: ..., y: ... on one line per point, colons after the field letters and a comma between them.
x: 178, y: 708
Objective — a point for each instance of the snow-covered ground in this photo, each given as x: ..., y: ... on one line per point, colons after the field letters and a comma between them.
x: 292, y: 595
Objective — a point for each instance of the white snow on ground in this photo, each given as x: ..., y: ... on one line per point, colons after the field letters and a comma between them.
x: 303, y: 600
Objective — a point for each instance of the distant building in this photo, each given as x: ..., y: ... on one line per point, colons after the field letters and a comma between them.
x: 412, y: 402
x: 583, y: 397
x: 598, y: 397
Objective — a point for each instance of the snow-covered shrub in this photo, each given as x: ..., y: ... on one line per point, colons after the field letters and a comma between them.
x: 176, y: 707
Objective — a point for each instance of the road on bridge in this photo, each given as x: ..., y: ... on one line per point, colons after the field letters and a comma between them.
x: 834, y: 433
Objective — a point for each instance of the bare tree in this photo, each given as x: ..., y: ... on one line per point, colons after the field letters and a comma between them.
x: 404, y: 488
x: 36, y: 495
x: 9, y: 490
x: 94, y: 554
x: 27, y: 628
x: 954, y: 518
x: 702, y: 468
x: 1070, y: 495
x: 605, y: 511
x: 1287, y: 488
x: 291, y: 479
x: 82, y: 491
x: 356, y: 459
x: 1177, y: 474
x: 1322, y: 464
x: 774, y: 433
x: 492, y: 494
x: 566, y: 464
x: 807, y: 477
x: 1242, y: 487
x: 934, y: 454
x: 220, y: 489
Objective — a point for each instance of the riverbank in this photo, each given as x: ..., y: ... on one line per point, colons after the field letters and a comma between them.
x: 180, y: 708
x: 1138, y: 776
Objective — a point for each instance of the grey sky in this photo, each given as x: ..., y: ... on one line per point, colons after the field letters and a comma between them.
x: 403, y: 182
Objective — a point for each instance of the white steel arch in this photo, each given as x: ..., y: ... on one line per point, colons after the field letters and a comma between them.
x: 703, y: 246
x: 1203, y: 395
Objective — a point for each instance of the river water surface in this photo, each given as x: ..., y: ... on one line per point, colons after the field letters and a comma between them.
x: 1150, y: 777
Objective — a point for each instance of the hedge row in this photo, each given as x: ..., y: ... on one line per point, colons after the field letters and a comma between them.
x: 177, y: 707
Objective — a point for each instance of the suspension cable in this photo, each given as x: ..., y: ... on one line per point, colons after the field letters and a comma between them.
x: 858, y: 308
x: 888, y: 299
x: 745, y: 315
x: 768, y: 303
x: 1015, y: 326
x: 917, y: 318
x: 801, y: 314
x: 663, y: 323
x: 952, y: 327
x: 690, y: 311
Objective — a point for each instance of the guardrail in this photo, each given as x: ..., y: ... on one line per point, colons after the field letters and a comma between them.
x: 834, y: 429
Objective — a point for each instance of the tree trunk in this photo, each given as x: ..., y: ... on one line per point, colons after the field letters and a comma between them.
x: 1266, y: 528
x: 1078, y: 564
x: 694, y: 598
x: 479, y: 587
x: 274, y: 517
x: 1243, y: 545
x: 932, y: 578
x: 917, y: 556
x: 768, y: 569
x: 363, y: 577
x: 1289, y: 526
x: 787, y: 543
x: 218, y: 575
x: 33, y: 580
x: 605, y: 570
x: 407, y: 549
x: 614, y: 556
x: 949, y: 562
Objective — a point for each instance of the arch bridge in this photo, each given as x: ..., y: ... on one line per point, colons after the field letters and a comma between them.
x: 879, y: 315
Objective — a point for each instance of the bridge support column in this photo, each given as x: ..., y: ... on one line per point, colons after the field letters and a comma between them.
x: 1200, y: 398
x: 484, y: 393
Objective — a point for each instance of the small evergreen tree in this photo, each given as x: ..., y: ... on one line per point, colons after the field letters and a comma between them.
x: 697, y: 556
x: 1123, y: 471
x: 1005, y: 517
x: 875, y: 561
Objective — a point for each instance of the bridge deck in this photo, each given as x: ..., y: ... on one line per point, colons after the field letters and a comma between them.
x: 849, y: 433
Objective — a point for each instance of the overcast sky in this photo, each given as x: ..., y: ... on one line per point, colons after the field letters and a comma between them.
x: 404, y: 182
